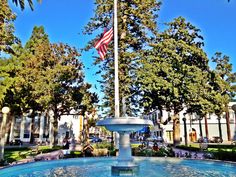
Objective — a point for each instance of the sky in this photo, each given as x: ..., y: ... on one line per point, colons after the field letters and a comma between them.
x: 64, y: 21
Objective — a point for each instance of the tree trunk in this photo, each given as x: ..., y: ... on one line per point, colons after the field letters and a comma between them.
x: 206, y: 126
x: 55, y: 132
x: 219, y: 124
x: 176, y: 130
x: 227, y: 123
x: 200, y: 127
x: 8, y: 129
x: 13, y: 122
x: 32, y: 130
x: 51, y: 130
x: 185, y: 132
x: 2, y: 141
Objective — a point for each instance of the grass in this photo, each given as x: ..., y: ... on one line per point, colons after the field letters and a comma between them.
x: 19, y: 153
x: 11, y: 156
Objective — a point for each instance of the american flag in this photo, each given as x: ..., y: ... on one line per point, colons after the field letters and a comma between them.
x: 103, y: 42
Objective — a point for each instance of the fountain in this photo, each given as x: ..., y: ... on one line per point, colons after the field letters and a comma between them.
x: 124, y: 126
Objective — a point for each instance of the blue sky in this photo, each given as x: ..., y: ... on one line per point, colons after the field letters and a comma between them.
x: 64, y: 20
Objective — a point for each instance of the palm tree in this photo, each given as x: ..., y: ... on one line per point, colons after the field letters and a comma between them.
x: 22, y: 3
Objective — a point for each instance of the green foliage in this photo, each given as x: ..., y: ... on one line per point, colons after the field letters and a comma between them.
x: 48, y: 149
x: 42, y: 76
x: 225, y: 155
x: 74, y: 154
x: 17, y: 149
x: 173, y: 70
x: 188, y: 148
x: 22, y: 3
x: 102, y: 145
x: 221, y: 146
x: 15, y: 154
x: 19, y: 153
x: 222, y: 82
x: 7, y: 37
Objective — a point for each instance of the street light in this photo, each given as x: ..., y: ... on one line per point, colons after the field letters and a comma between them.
x: 5, y: 111
x: 185, y: 131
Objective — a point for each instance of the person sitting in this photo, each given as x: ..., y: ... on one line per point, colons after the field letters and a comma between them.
x: 65, y: 143
x: 88, y: 149
x: 155, y: 146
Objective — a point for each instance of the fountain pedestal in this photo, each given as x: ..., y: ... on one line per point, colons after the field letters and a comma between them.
x: 125, y: 163
x: 124, y: 126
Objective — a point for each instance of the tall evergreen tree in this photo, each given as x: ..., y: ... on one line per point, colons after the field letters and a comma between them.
x: 136, y: 30
x: 171, y: 72
x: 223, y: 81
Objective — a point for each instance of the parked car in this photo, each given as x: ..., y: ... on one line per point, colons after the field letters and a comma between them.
x: 96, y: 140
x: 154, y: 138
x: 216, y: 139
x: 15, y: 142
x: 203, y: 140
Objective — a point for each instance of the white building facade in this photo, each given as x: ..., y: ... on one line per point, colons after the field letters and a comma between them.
x: 70, y: 125
x: 195, y: 128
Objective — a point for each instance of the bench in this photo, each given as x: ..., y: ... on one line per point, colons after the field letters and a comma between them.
x: 55, y: 155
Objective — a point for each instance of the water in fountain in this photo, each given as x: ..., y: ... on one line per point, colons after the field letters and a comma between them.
x: 100, y: 167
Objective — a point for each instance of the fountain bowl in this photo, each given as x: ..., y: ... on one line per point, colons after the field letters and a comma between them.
x: 124, y: 124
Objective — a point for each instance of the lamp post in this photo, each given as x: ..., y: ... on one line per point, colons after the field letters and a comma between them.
x: 185, y: 131
x: 200, y: 126
x: 234, y: 109
x: 5, y: 111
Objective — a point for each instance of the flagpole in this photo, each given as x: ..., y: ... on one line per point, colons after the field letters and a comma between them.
x: 117, y: 107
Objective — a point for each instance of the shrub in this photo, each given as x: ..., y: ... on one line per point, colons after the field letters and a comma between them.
x: 162, y: 152
x: 222, y: 146
x: 2, y: 162
x: 47, y: 149
x: 74, y: 154
x: 17, y: 149
x: 188, y: 148
x: 113, y: 152
x: 225, y: 155
x: 103, y: 145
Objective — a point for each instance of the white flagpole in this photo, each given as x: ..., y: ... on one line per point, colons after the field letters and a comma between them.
x: 117, y: 107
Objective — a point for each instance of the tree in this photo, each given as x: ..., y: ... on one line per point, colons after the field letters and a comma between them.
x: 7, y: 37
x: 136, y: 30
x: 171, y: 72
x: 223, y: 85
x: 22, y: 3
x: 201, y: 103
x: 51, y: 77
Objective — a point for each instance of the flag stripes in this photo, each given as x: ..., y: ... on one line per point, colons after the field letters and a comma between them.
x: 103, y: 42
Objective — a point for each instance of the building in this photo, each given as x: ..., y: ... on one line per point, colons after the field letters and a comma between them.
x: 195, y: 126
x: 69, y: 125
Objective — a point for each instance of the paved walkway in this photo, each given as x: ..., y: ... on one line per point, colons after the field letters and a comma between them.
x: 183, y: 153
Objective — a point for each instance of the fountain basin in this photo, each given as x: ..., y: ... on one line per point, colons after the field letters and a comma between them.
x: 100, y: 167
x: 124, y: 124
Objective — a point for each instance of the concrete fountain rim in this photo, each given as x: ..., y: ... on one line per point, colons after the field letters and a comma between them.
x: 124, y: 121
